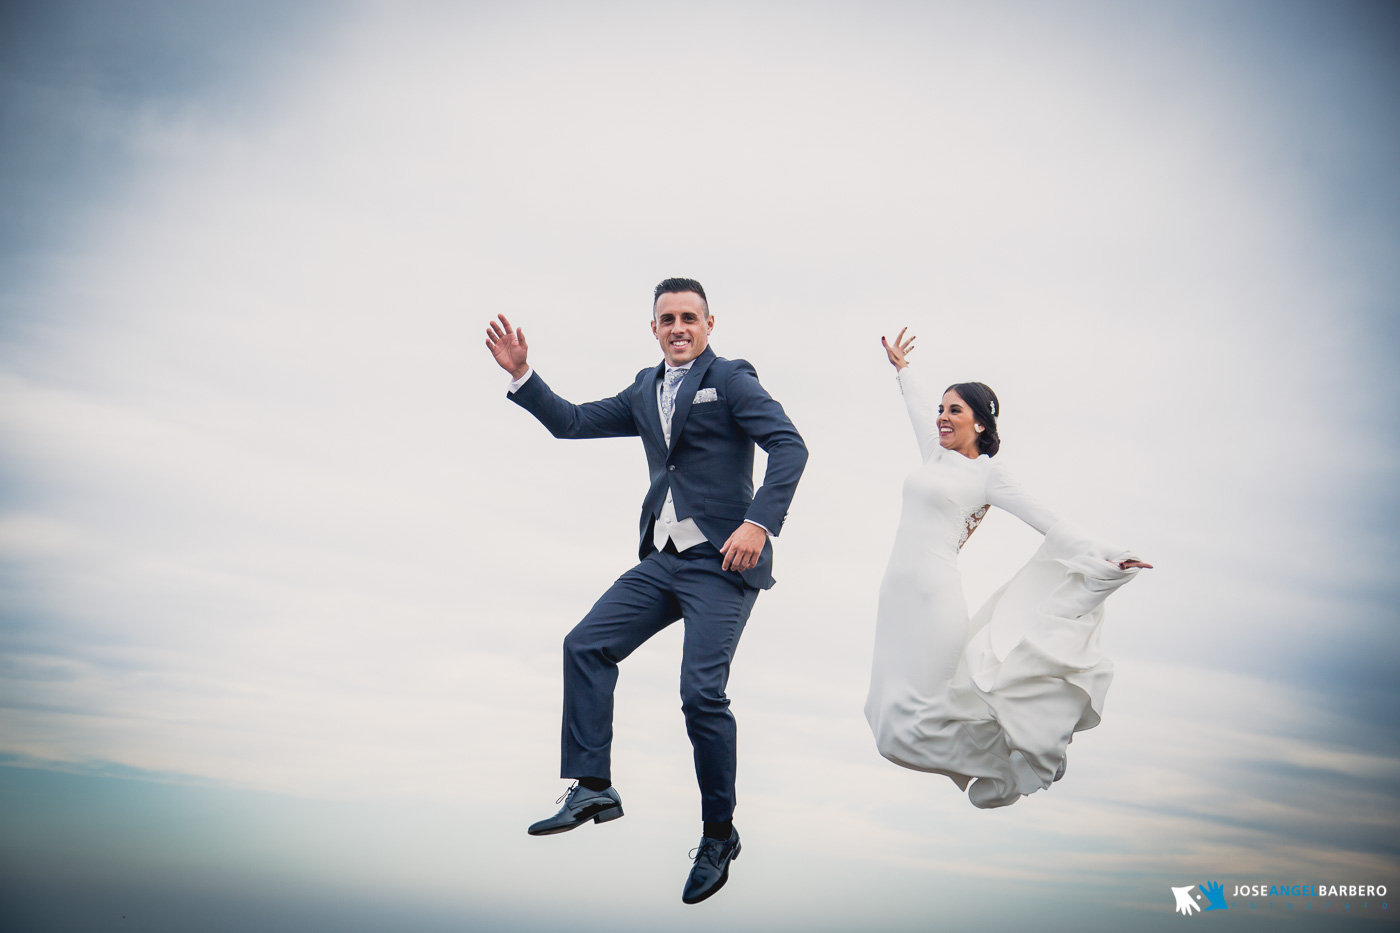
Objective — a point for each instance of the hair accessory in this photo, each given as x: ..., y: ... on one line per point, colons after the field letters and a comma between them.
x: 993, y: 404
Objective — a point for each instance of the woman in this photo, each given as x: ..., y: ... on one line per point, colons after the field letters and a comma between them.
x: 990, y: 701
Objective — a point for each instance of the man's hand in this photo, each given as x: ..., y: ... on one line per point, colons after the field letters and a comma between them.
x: 508, y: 346
x: 742, y: 550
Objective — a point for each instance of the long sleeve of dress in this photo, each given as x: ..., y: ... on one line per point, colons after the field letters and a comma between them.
x: 923, y: 412
x: 1035, y: 657
x: 1006, y: 493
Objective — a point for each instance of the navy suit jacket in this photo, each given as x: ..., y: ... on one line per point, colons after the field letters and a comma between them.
x: 709, y: 464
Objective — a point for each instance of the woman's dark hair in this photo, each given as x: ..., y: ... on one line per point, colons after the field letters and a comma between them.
x: 985, y: 408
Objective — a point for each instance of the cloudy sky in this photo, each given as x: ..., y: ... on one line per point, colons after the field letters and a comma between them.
x: 284, y: 575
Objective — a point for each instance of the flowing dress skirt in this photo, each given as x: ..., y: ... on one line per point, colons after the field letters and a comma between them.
x: 993, y: 700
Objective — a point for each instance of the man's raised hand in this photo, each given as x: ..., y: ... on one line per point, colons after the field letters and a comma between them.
x: 507, y: 344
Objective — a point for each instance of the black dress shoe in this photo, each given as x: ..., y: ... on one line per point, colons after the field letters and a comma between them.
x: 711, y: 868
x: 580, y: 806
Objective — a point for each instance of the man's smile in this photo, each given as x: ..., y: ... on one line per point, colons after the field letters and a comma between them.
x: 681, y: 323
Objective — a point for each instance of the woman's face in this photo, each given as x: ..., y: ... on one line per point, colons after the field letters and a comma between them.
x: 957, y: 429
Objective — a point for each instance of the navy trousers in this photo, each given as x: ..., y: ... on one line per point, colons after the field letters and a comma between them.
x: 664, y: 587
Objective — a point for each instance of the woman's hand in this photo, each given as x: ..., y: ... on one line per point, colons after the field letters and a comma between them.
x: 1130, y: 564
x: 898, y: 350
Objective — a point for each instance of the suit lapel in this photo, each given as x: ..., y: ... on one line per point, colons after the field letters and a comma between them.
x: 651, y: 411
x: 686, y: 393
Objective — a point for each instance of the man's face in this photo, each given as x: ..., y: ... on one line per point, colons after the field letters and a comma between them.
x: 681, y: 327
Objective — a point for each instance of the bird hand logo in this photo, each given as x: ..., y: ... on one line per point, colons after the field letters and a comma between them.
x: 1214, y: 898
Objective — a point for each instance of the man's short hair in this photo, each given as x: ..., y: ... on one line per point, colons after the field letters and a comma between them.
x: 672, y: 286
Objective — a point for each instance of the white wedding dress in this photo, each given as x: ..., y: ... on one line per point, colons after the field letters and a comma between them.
x: 990, y: 701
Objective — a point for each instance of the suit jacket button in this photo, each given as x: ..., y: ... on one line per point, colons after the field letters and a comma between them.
x: 672, y: 468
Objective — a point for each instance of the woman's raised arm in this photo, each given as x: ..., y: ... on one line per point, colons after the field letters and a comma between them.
x: 923, y: 408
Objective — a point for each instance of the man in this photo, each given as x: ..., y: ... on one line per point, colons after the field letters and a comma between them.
x: 704, y: 553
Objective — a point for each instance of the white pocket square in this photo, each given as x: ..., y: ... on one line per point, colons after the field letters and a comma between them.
x: 705, y: 395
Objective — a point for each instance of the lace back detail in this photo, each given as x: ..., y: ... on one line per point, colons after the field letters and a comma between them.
x: 971, y: 518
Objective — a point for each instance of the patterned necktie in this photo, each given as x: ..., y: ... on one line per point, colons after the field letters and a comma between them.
x: 668, y: 393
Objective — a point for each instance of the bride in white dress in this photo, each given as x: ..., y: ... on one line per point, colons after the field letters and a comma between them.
x: 993, y: 700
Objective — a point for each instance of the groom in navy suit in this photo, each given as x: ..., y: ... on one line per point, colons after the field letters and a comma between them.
x: 704, y: 553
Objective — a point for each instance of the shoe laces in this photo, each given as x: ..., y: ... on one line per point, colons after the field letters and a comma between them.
x: 706, y: 842
x: 568, y: 793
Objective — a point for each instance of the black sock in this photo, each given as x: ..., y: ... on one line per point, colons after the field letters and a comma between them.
x: 594, y: 784
x: 721, y: 830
